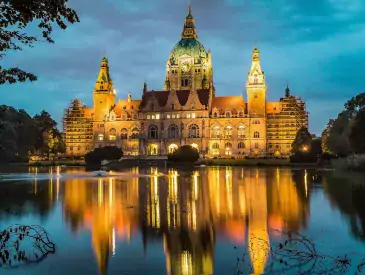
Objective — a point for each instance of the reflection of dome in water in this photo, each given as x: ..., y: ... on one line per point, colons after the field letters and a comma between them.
x: 191, y: 47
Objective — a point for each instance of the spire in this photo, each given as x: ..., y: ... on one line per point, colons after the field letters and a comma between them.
x: 189, y: 31
x: 287, y: 91
x: 104, y: 81
x: 256, y: 75
x: 129, y: 97
x: 145, y: 87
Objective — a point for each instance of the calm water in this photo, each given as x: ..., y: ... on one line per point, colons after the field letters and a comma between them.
x: 187, y: 222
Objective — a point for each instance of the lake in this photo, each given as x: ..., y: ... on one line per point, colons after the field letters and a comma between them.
x: 201, y: 220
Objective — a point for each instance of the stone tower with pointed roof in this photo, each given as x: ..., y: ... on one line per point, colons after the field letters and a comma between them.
x: 104, y: 93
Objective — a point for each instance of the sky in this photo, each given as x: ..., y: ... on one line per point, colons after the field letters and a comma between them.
x: 315, y: 46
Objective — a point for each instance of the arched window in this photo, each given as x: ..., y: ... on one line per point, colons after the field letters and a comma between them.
x: 172, y: 148
x: 215, y: 145
x: 124, y: 133
x: 240, y: 114
x: 228, y: 145
x: 228, y: 131
x: 216, y: 131
x: 241, y: 131
x: 228, y: 114
x: 173, y: 131
x: 112, y: 134
x: 193, y: 131
x: 241, y: 145
x: 215, y: 114
x: 256, y: 134
x: 153, y: 132
x: 135, y: 133
x: 100, y: 137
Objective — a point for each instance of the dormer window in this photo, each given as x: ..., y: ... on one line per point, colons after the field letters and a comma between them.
x: 228, y: 114
x: 215, y: 114
x: 240, y: 114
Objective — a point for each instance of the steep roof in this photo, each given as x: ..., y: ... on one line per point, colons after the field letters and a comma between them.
x: 126, y: 105
x: 182, y: 96
x: 232, y: 103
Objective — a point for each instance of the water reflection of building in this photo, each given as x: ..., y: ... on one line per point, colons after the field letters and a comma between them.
x: 187, y: 211
x: 107, y: 206
x: 177, y: 210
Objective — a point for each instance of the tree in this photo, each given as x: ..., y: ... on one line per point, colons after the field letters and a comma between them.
x: 302, y: 141
x: 184, y: 153
x: 16, y: 15
x: 357, y: 135
x: 105, y: 153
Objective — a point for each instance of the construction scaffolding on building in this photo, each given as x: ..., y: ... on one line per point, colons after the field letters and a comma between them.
x: 284, y: 125
x: 77, y: 129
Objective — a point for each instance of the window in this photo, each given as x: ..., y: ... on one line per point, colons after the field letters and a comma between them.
x: 255, y: 95
x: 241, y: 145
x: 216, y: 132
x: 228, y: 145
x: 240, y: 114
x: 193, y: 131
x: 228, y: 114
x: 173, y: 116
x: 135, y: 133
x: 153, y: 116
x: 135, y: 117
x: 112, y: 134
x: 256, y: 134
x: 215, y: 114
x: 228, y: 132
x: 124, y: 133
x: 193, y: 115
x: 277, y: 146
x: 100, y: 137
x: 215, y: 145
x: 188, y: 116
x: 177, y: 116
x: 71, y: 148
x: 168, y: 116
x: 172, y: 148
x: 79, y: 148
x: 153, y: 132
x: 256, y: 122
x: 257, y: 146
x: 241, y: 131
x: 173, y: 106
x: 148, y: 116
x: 185, y: 82
x: 173, y: 131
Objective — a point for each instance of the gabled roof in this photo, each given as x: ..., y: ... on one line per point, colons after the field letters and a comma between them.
x: 125, y: 105
x: 182, y: 96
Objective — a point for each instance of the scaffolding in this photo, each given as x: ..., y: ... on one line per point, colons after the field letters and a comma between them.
x: 77, y: 129
x: 284, y: 125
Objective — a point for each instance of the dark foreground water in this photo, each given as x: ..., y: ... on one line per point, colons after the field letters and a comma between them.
x: 191, y: 221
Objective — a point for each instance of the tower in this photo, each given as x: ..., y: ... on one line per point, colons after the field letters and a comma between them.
x: 189, y: 64
x: 256, y: 88
x: 104, y: 93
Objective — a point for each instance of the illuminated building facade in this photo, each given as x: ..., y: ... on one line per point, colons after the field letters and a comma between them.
x: 188, y: 112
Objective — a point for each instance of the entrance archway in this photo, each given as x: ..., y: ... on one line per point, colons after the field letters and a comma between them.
x: 172, y: 148
x: 152, y: 150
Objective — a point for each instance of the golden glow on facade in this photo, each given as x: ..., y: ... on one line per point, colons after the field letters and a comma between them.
x: 187, y: 112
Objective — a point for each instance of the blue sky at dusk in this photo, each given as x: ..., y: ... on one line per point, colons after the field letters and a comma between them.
x: 318, y: 47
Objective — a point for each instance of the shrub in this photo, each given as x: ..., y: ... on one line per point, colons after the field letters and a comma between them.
x: 184, y: 153
x: 303, y: 157
x: 104, y: 153
x: 350, y: 163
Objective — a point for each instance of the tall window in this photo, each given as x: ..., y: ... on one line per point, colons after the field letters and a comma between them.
x: 100, y: 137
x: 216, y: 131
x: 241, y: 131
x: 193, y: 131
x: 228, y: 145
x: 241, y: 145
x: 228, y: 114
x: 256, y: 134
x: 257, y: 146
x: 228, y: 131
x: 153, y: 132
x: 124, y: 133
x: 135, y: 133
x: 112, y: 134
x: 215, y: 145
x: 173, y: 131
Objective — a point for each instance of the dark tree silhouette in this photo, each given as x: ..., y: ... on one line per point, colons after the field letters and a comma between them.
x: 16, y: 15
x: 24, y: 244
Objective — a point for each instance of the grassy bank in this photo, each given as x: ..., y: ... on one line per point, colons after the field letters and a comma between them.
x: 58, y: 163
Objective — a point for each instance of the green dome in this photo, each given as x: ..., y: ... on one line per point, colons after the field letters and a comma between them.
x: 191, y: 47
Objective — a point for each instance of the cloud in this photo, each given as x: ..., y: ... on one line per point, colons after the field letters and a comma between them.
x: 312, y: 45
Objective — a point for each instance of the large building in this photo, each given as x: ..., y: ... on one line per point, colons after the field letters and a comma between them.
x: 187, y: 112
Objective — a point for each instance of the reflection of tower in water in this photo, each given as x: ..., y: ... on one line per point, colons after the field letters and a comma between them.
x: 104, y: 207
